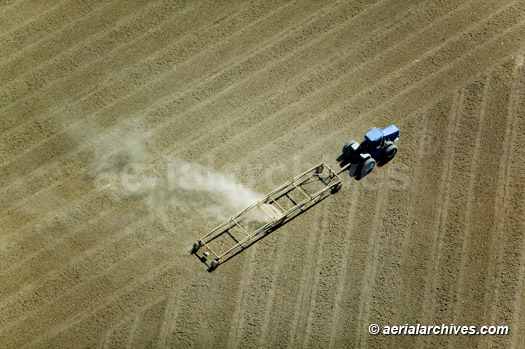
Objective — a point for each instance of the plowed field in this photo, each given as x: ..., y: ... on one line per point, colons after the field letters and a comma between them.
x: 102, y: 101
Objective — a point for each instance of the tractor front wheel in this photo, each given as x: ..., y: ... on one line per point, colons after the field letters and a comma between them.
x: 389, y: 153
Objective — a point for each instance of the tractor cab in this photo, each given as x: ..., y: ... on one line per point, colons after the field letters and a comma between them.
x: 373, y: 138
x: 373, y: 142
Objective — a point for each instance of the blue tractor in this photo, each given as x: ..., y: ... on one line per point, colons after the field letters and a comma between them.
x: 377, y: 148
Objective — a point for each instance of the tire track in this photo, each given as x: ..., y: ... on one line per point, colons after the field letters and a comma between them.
x: 170, y: 316
x: 147, y: 332
x: 237, y: 318
x: 17, y: 33
x: 152, y: 64
x: 11, y: 165
x: 134, y: 329
x: 292, y: 245
x: 370, y: 267
x: 388, y: 232
x: 448, y: 259
x: 37, y: 126
x: 227, y: 291
x: 278, y: 266
x: 485, y: 215
x: 509, y: 251
x: 444, y: 195
x: 354, y: 277
x: 20, y: 80
x: 336, y: 314
x: 502, y: 193
x: 19, y: 13
x: 290, y: 272
x: 105, y: 340
x: 256, y: 304
x: 323, y: 307
x: 118, y: 337
x: 416, y: 179
x: 316, y: 283
x: 467, y: 230
x: 183, y: 333
x: 307, y: 289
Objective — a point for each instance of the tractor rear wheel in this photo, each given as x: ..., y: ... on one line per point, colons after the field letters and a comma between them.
x: 366, y: 167
x: 347, y: 150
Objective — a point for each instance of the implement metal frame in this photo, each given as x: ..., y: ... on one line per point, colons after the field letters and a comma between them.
x: 331, y: 184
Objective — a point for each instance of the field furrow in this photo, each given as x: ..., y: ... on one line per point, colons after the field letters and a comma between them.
x: 130, y: 129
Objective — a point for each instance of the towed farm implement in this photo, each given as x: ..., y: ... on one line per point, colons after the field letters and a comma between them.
x: 294, y: 197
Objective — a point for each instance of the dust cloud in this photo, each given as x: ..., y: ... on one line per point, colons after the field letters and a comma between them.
x: 222, y: 195
x: 169, y: 186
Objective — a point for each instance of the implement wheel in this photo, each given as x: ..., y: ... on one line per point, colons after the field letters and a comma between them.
x: 214, y: 264
x: 196, y: 246
x: 336, y: 187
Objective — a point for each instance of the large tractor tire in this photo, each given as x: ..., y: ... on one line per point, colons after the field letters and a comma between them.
x: 366, y: 167
x: 389, y: 153
x: 347, y: 150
